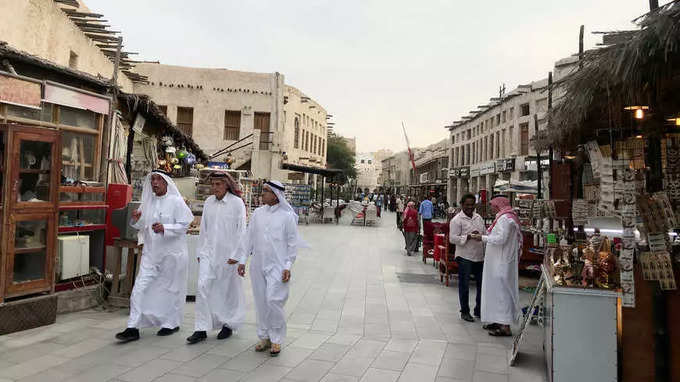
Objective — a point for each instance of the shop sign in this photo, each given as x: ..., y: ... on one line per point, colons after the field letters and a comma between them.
x: 454, y: 172
x: 16, y: 91
x: 487, y: 168
x: 296, y: 176
x: 504, y: 165
x: 65, y: 96
x: 530, y: 165
x: 423, y: 177
x: 474, y: 171
x: 464, y: 172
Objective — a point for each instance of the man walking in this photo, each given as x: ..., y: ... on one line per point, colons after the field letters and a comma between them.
x: 273, y: 239
x: 400, y: 210
x: 159, y: 293
x: 426, y: 210
x: 469, y: 254
x: 220, y: 301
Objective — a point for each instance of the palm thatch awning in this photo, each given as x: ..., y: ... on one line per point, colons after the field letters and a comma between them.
x: 641, y: 67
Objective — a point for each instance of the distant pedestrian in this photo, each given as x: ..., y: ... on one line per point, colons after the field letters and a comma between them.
x: 393, y: 203
x: 426, y: 210
x: 411, y: 226
x: 469, y: 254
x: 500, y: 295
x: 378, y: 204
x: 400, y: 211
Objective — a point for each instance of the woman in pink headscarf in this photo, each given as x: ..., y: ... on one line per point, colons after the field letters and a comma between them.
x: 411, y: 226
x: 500, y: 295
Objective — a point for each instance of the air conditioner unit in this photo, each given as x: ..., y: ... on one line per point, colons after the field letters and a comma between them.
x: 73, y: 257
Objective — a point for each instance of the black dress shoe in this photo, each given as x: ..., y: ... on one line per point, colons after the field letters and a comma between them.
x: 197, y: 337
x: 467, y: 317
x: 127, y: 335
x: 167, y: 332
x: 224, y: 333
x: 478, y: 315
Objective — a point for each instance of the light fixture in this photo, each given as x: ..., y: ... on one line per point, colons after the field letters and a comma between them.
x: 674, y: 120
x: 638, y: 136
x: 638, y: 111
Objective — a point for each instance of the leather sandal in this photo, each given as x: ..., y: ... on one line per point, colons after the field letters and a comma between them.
x: 490, y: 326
x: 498, y: 332
x: 276, y: 349
x: 263, y: 345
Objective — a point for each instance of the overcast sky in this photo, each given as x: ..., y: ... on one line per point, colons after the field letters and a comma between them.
x: 370, y: 63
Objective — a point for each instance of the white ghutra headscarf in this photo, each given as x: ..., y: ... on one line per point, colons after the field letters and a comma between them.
x: 280, y: 191
x: 148, y: 196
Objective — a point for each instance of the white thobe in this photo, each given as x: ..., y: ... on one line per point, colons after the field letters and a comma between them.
x: 220, y: 300
x: 159, y: 293
x: 500, y: 295
x: 272, y: 240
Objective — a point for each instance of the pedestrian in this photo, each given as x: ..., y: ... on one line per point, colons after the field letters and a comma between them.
x: 400, y: 210
x: 272, y: 238
x: 469, y: 254
x: 159, y: 294
x: 500, y: 295
x: 411, y: 226
x: 426, y: 209
x: 393, y: 203
x: 220, y: 300
x: 378, y: 203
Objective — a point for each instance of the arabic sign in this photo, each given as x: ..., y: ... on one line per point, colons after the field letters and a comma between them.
x: 487, y: 168
x: 67, y: 97
x: 504, y: 165
x: 20, y: 92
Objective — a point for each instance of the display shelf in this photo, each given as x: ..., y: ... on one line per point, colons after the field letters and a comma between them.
x: 20, y: 250
x: 83, y: 228
x: 33, y: 171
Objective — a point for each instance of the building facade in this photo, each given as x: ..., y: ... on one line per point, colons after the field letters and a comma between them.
x: 395, y: 172
x: 263, y: 122
x: 492, y: 143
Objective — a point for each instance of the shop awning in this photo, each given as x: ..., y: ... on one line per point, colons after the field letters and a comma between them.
x: 325, y: 172
x: 520, y: 187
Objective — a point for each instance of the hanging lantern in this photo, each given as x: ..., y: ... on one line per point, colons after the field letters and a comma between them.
x: 638, y: 111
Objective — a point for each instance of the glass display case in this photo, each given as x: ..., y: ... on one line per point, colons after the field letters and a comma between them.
x: 80, y: 218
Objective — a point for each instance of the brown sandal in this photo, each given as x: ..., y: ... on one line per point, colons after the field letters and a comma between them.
x: 276, y: 349
x: 490, y: 326
x: 498, y: 332
x: 263, y: 345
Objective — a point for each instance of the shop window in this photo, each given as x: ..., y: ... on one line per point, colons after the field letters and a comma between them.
x: 78, y: 157
x: 78, y: 118
x: 185, y: 119
x: 232, y: 125
x: 73, y: 60
x: 23, y: 112
x: 35, y: 161
x: 524, y: 139
x: 524, y: 110
x: 296, y: 139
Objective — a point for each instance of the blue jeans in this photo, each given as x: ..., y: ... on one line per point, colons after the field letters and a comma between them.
x: 465, y: 269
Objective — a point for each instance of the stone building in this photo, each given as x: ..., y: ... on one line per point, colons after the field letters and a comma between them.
x: 490, y: 148
x: 264, y: 122
x: 395, y: 172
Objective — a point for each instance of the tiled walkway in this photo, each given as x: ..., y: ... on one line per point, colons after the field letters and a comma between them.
x: 350, y: 319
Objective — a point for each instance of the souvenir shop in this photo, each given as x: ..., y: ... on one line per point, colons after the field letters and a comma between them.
x: 610, y: 231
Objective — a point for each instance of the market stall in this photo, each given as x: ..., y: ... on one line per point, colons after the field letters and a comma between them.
x: 614, y: 139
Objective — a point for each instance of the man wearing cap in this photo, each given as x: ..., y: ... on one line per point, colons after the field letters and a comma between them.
x: 220, y: 301
x: 272, y: 238
x: 159, y: 293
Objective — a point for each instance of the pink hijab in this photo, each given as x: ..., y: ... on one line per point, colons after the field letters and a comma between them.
x: 502, y: 204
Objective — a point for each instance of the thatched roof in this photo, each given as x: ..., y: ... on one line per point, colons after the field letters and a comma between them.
x: 153, y: 114
x: 637, y: 68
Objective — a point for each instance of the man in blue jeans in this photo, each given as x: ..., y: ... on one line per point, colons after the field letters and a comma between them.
x: 469, y: 253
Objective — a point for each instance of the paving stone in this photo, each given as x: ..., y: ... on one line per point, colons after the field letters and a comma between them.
x: 330, y: 352
x: 456, y: 369
x: 149, y: 371
x: 310, y: 371
x: 378, y: 375
x: 416, y: 372
x: 391, y: 360
x: 482, y: 376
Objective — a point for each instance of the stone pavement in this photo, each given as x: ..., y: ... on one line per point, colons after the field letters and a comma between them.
x: 350, y: 319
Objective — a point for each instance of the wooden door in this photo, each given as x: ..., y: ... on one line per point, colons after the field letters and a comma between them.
x: 262, y: 124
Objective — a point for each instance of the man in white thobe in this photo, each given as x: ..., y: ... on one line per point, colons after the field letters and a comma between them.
x: 220, y: 301
x: 159, y: 293
x: 272, y: 238
x: 500, y: 295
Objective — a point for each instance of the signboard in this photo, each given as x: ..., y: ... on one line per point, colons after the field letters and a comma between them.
x: 65, y: 96
x: 15, y: 91
x: 487, y: 168
x: 474, y: 170
x: 454, y: 172
x: 504, y: 165
x: 296, y: 176
x: 423, y: 177
x: 530, y: 165
x: 464, y: 172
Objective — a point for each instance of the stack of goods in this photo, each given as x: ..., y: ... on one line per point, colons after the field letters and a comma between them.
x: 299, y: 196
